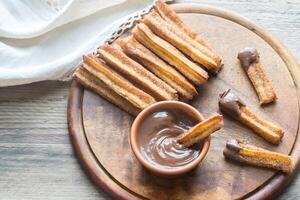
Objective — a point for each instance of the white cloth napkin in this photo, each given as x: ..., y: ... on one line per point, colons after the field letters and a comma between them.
x: 44, y: 39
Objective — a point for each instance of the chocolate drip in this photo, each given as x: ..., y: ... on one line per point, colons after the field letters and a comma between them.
x: 232, y: 150
x: 234, y: 145
x: 248, y: 56
x: 230, y: 104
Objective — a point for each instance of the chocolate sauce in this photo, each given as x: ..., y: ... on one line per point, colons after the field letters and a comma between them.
x: 156, y: 139
x: 248, y: 56
x: 230, y: 104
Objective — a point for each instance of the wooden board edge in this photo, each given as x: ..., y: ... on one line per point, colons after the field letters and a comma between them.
x: 82, y: 149
x: 85, y: 155
x: 275, y: 185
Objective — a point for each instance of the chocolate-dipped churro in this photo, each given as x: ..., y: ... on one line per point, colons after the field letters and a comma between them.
x: 252, y: 155
x: 233, y: 106
x: 201, y: 130
x: 249, y: 59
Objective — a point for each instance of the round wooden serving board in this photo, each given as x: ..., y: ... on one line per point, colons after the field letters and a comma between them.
x: 100, y: 130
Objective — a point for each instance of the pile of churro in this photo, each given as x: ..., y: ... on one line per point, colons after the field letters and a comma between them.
x: 162, y: 58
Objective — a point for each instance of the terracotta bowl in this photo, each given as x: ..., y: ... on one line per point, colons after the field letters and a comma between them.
x: 162, y: 106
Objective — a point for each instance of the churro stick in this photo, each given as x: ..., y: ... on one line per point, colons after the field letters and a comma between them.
x: 157, y: 66
x: 230, y: 104
x: 201, y: 130
x: 117, y: 83
x: 252, y: 155
x: 96, y: 85
x: 249, y: 59
x: 180, y: 40
x: 134, y: 71
x: 170, y: 54
x: 168, y: 14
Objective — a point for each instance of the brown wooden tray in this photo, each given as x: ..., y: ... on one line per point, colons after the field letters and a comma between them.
x: 100, y: 131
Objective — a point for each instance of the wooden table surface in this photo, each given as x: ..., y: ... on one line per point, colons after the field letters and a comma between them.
x: 36, y: 158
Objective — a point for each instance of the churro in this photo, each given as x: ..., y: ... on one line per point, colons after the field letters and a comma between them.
x: 167, y: 73
x: 170, y: 54
x: 117, y: 83
x: 137, y: 73
x: 170, y: 15
x: 96, y: 85
x: 180, y: 40
x: 201, y: 130
x: 252, y: 155
x: 232, y: 105
x: 250, y: 62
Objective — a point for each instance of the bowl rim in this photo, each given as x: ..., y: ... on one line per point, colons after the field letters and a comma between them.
x: 134, y: 132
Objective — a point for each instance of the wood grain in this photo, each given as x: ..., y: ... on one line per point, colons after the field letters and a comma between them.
x: 37, y: 160
x: 54, y: 173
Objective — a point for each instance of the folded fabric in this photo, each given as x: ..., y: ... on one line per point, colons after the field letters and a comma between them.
x: 44, y: 40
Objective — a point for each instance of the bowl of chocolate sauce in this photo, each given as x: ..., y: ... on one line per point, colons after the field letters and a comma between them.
x: 153, y: 138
